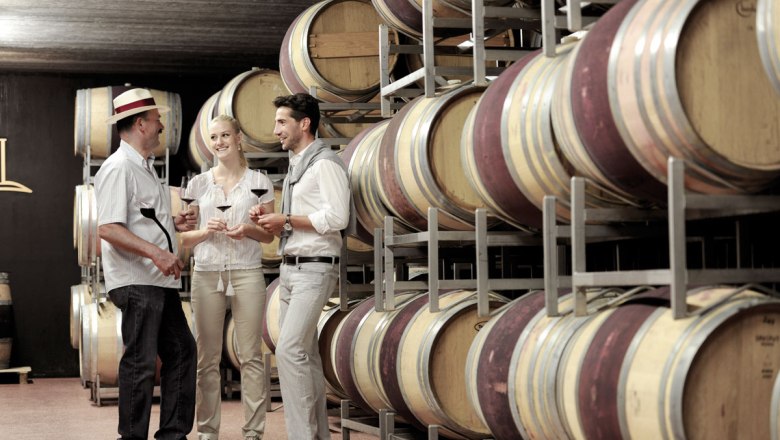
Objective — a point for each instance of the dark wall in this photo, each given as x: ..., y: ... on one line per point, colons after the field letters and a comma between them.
x: 36, y: 230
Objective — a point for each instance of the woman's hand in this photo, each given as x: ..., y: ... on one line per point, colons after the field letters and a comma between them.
x: 216, y: 224
x: 239, y: 232
x: 255, y: 212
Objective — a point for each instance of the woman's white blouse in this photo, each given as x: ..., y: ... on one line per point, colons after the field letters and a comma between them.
x: 220, y: 252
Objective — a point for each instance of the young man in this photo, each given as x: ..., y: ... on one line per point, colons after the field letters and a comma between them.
x: 315, y: 208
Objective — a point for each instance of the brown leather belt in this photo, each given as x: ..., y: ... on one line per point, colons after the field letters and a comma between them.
x: 292, y: 259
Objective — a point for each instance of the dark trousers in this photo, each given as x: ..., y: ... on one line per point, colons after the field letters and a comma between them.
x: 153, y: 324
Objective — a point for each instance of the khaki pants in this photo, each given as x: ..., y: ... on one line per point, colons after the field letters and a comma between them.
x: 248, y: 307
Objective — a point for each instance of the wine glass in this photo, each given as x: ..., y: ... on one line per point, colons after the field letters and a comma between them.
x: 223, y: 205
x: 185, y: 193
x: 258, y: 187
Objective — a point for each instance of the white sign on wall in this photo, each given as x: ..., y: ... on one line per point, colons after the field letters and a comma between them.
x: 8, y: 185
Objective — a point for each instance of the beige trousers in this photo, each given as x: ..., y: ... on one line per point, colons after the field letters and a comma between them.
x: 304, y: 290
x: 209, y: 308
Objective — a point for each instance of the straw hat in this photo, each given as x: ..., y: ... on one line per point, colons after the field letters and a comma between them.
x: 132, y: 102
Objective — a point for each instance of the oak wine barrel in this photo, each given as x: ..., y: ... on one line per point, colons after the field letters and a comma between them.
x: 6, y: 321
x: 356, y: 349
x: 695, y: 97
x: 511, y: 156
x: 249, y: 99
x: 418, y: 159
x: 431, y: 365
x: 333, y: 46
x: 488, y: 365
x: 94, y: 106
x: 639, y: 373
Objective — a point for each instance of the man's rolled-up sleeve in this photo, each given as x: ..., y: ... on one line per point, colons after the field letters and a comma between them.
x: 334, y: 188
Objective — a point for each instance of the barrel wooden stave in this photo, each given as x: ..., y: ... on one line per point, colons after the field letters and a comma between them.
x: 200, y: 153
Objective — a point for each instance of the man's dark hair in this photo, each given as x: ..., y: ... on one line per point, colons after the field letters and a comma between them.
x: 302, y: 105
x: 125, y: 124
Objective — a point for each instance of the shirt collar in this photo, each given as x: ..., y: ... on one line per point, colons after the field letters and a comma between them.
x: 135, y: 157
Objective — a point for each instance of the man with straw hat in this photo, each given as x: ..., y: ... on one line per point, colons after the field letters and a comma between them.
x: 142, y: 273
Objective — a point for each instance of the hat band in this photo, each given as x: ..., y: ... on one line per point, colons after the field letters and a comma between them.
x: 135, y: 104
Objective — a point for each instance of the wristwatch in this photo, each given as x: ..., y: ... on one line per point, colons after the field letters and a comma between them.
x: 287, y: 224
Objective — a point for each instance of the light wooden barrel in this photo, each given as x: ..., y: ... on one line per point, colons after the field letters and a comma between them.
x: 80, y: 294
x: 702, y: 96
x: 419, y: 158
x: 6, y: 321
x: 639, y: 373
x: 333, y: 45
x: 85, y: 236
x: 768, y: 33
x: 775, y: 411
x: 249, y: 99
x: 87, y: 336
x: 584, y: 123
x: 101, y: 342
x: 199, y: 153
x: 488, y: 365
x: 361, y: 159
x: 356, y: 349
x: 432, y: 364
x: 272, y: 327
x: 94, y: 106
x: 270, y: 250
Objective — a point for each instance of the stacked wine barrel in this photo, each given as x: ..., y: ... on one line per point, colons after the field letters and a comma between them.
x: 612, y: 106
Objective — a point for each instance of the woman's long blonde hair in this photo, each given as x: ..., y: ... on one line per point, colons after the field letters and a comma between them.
x: 237, y: 128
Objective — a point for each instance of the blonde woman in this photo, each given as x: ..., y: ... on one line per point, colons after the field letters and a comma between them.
x: 228, y: 268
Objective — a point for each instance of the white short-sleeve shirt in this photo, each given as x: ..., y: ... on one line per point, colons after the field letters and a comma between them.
x: 124, y: 184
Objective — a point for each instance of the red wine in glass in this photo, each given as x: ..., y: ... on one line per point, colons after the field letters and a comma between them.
x: 223, y: 208
x: 259, y: 191
x: 187, y: 200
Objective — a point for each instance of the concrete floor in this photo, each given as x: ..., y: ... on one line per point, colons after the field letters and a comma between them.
x: 61, y: 409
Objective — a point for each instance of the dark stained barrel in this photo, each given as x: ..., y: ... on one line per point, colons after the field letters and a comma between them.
x: 641, y: 373
x: 362, y: 162
x: 419, y: 157
x: 490, y: 361
x: 695, y: 97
